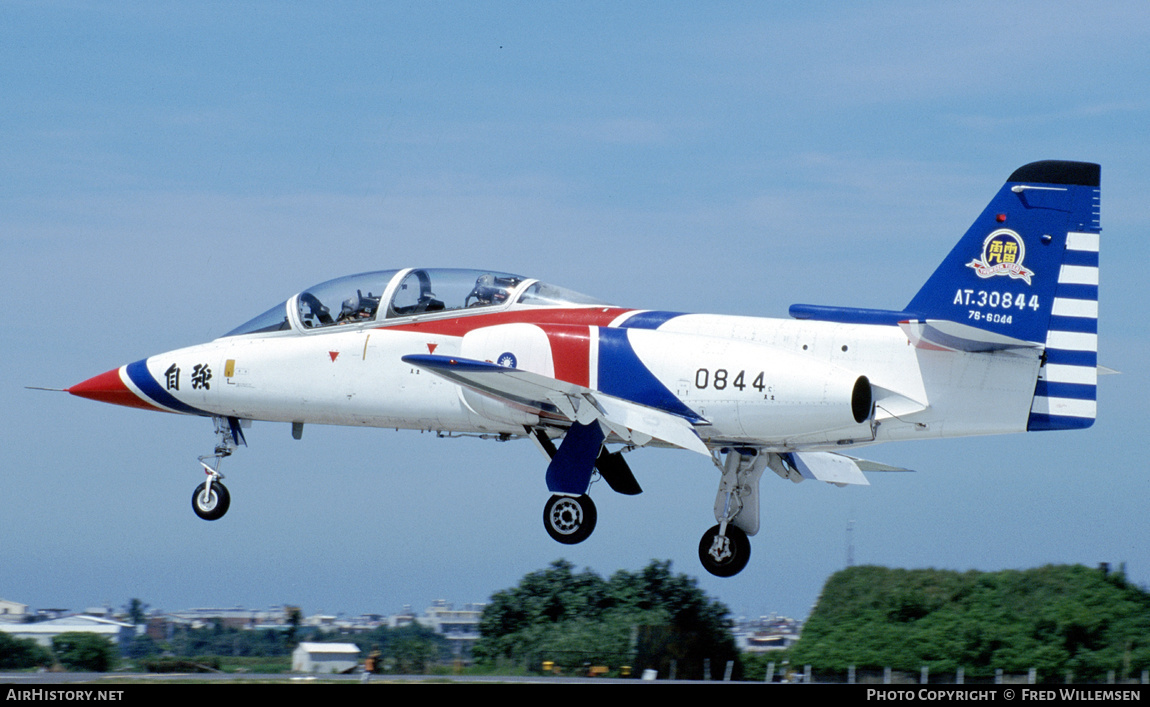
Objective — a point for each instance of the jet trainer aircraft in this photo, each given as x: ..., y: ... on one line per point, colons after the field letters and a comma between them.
x: 1001, y: 338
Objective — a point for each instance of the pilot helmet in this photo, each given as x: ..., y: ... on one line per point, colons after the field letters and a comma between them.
x: 489, y: 289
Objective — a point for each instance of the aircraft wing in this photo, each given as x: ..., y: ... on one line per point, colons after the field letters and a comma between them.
x: 634, y: 423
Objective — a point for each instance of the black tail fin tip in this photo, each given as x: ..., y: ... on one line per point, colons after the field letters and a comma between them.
x: 1083, y: 174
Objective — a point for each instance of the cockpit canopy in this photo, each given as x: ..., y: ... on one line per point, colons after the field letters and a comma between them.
x: 376, y: 297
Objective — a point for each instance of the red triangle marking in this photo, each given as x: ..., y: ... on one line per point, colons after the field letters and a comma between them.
x: 431, y: 348
x: 333, y: 355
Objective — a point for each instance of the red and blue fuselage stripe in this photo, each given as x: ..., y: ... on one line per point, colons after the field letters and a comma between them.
x: 139, y: 375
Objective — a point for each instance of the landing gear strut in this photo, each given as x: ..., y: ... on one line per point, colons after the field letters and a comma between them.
x: 211, y: 499
x: 725, y: 549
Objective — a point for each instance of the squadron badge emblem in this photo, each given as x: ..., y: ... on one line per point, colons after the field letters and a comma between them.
x: 1002, y: 254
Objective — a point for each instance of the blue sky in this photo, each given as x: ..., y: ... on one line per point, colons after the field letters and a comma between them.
x: 169, y: 170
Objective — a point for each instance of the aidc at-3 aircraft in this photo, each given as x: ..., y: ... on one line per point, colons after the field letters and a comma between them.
x: 1001, y: 338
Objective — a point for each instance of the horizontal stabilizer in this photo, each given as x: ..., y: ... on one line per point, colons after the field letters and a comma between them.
x: 630, y: 421
x: 944, y: 335
x: 832, y: 468
x: 847, y: 315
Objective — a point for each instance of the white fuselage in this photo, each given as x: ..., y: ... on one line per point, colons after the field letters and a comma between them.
x: 769, y: 383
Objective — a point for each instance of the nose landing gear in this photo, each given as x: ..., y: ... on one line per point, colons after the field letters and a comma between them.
x: 211, y: 499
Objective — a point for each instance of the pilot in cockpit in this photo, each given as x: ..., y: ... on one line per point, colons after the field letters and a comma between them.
x: 358, y: 308
x: 490, y: 290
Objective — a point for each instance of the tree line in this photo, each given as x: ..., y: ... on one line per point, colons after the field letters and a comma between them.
x: 1059, y: 619
x: 1065, y: 620
x: 650, y: 619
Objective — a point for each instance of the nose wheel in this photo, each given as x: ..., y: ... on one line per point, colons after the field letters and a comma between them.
x: 569, y: 519
x: 211, y: 500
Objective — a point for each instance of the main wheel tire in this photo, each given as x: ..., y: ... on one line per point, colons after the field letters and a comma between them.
x: 569, y: 519
x: 213, y: 504
x: 725, y: 559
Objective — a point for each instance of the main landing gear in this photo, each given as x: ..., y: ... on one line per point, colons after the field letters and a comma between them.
x: 725, y: 549
x: 211, y: 499
x: 569, y: 515
x: 724, y: 552
x: 569, y: 519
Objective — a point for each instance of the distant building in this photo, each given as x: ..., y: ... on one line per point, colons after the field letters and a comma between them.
x: 237, y: 617
x: 45, y: 614
x: 163, y: 628
x: 406, y: 617
x: 44, y: 631
x: 323, y: 622
x: 11, y: 611
x: 767, y: 633
x: 459, y: 626
x: 325, y: 658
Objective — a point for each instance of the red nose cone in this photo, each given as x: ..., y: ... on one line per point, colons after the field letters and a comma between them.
x: 108, y: 388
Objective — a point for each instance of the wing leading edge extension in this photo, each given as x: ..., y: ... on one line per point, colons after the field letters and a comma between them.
x: 631, y: 422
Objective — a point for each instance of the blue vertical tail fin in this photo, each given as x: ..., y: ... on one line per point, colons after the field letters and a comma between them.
x: 1028, y: 269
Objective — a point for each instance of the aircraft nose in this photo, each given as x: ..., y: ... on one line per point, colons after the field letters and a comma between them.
x: 108, y: 387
